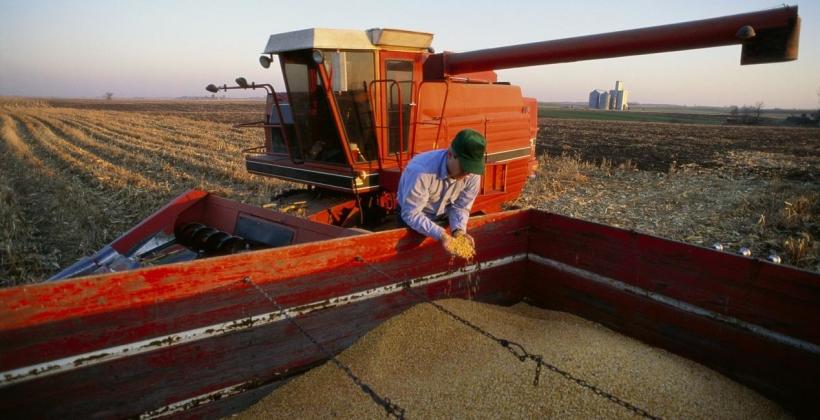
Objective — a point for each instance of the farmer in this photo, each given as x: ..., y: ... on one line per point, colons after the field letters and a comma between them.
x: 440, y: 186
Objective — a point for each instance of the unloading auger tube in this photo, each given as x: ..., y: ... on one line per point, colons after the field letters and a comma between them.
x: 767, y: 36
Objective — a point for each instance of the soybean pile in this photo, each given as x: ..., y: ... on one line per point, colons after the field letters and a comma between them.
x: 435, y: 367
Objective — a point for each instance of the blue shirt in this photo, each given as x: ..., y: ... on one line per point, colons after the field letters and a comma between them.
x: 426, y: 192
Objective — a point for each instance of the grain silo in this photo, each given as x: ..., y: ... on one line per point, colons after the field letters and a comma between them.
x: 621, y: 103
x: 603, y: 100
x: 618, y: 97
x: 593, y: 99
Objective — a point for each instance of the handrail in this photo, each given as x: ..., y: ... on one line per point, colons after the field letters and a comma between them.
x: 443, y: 108
x: 399, y: 160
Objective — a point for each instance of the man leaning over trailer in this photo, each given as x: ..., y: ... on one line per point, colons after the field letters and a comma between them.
x: 440, y: 186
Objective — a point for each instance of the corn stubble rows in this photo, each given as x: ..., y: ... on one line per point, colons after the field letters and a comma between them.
x: 739, y: 186
x: 75, y: 179
x: 76, y: 174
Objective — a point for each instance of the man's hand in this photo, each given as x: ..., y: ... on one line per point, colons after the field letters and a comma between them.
x: 445, y: 242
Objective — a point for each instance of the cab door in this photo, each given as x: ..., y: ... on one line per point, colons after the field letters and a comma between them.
x: 399, y: 89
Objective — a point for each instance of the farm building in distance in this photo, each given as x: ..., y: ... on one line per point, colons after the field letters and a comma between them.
x: 615, y: 99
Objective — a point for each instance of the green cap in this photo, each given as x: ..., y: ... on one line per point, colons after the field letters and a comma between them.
x: 469, y: 146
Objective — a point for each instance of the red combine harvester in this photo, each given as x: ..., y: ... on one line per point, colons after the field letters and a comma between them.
x: 163, y: 329
x: 362, y: 103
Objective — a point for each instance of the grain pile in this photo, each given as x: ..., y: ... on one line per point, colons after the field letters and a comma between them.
x: 461, y: 246
x: 435, y: 367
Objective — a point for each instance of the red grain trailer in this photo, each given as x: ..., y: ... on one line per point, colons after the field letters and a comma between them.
x: 205, y: 338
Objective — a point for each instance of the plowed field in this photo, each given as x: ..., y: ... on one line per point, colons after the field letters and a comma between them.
x: 74, y: 175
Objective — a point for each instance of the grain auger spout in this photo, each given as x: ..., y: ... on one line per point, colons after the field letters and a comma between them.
x: 767, y: 36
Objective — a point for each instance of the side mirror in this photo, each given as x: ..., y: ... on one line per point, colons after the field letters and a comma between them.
x: 212, y: 88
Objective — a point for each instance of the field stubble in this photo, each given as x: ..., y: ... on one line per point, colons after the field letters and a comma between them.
x: 75, y: 176
x: 78, y: 173
x: 755, y: 187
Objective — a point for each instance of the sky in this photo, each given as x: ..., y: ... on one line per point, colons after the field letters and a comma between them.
x: 173, y: 48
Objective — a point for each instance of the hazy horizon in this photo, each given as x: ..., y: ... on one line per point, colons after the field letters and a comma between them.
x: 157, y: 50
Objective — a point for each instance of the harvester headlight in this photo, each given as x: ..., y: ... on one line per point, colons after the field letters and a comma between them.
x: 318, y: 57
x: 361, y: 176
x: 241, y: 82
x: 265, y: 61
x: 212, y: 88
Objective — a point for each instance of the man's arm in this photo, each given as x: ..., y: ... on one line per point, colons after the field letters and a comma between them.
x: 459, y: 211
x: 415, y: 195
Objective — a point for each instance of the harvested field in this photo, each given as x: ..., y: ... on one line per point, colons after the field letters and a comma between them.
x: 755, y: 187
x: 75, y: 174
x: 432, y: 366
x: 73, y: 179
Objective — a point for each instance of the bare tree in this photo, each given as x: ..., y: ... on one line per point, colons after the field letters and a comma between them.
x: 745, y: 114
x: 758, y: 106
x: 817, y: 114
x: 108, y: 95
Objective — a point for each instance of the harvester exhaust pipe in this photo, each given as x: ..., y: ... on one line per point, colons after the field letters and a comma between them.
x: 767, y: 36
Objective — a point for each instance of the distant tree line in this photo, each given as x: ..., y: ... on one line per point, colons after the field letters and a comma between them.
x: 807, y: 119
x: 745, y: 114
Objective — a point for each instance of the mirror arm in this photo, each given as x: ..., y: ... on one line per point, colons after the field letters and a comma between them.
x: 267, y: 86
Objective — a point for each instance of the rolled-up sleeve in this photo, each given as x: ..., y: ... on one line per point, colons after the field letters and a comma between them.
x: 414, y: 195
x: 459, y: 212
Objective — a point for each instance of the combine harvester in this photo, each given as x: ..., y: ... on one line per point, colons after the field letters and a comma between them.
x: 154, y: 326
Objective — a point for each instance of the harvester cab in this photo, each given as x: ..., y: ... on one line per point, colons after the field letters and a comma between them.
x: 360, y: 105
x: 350, y: 97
